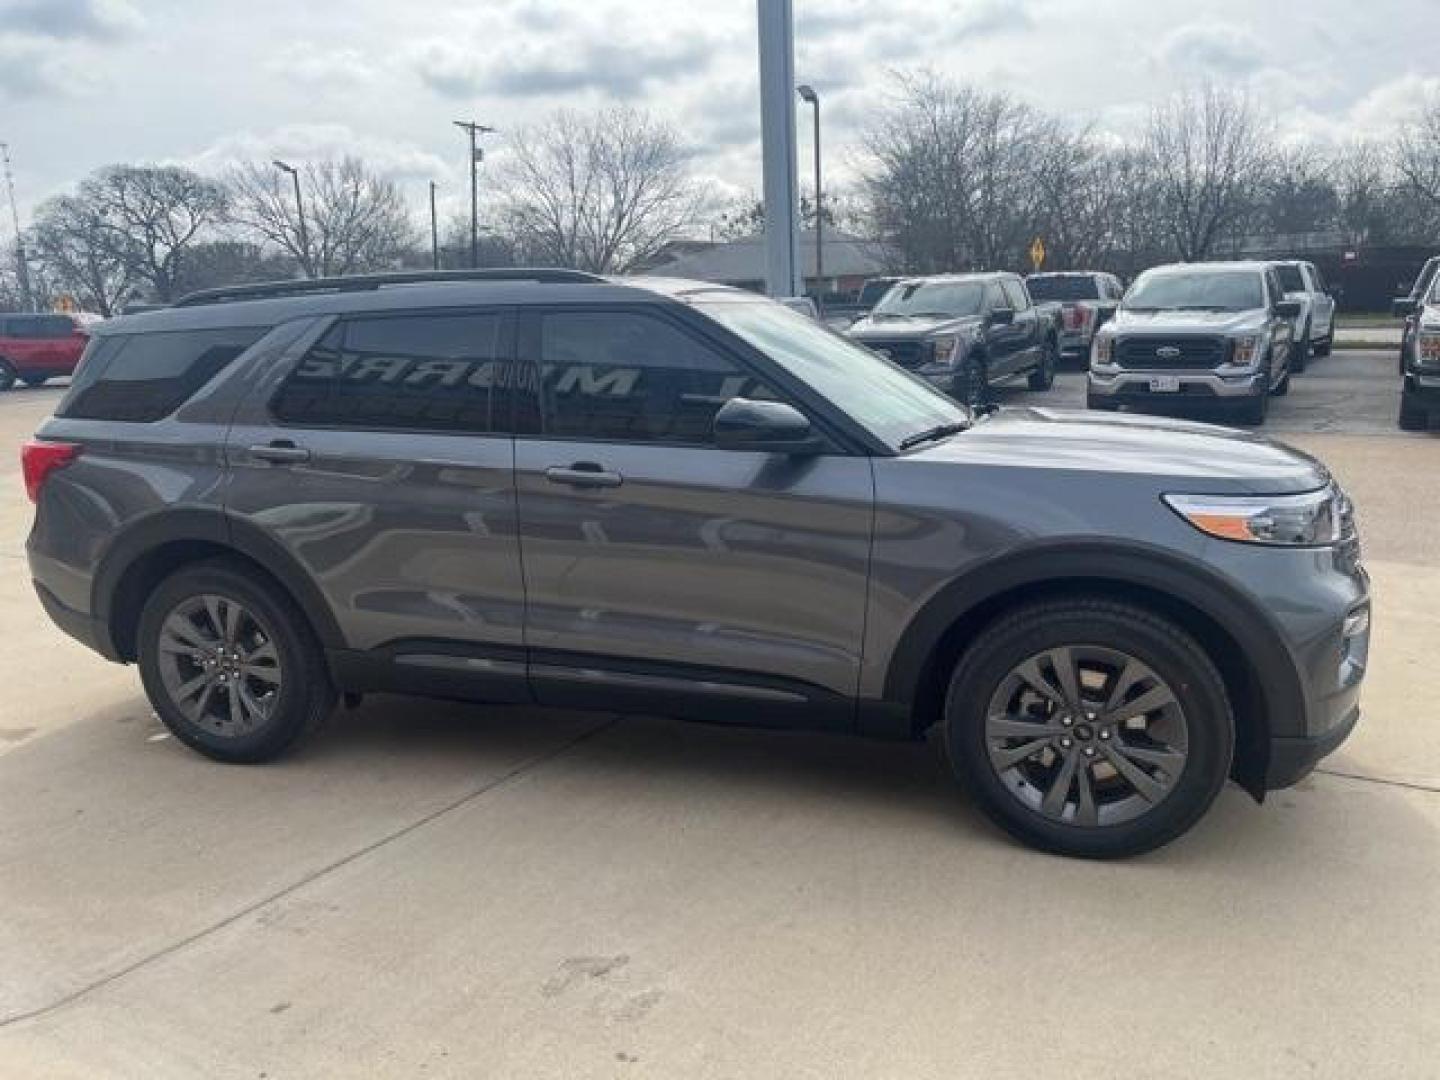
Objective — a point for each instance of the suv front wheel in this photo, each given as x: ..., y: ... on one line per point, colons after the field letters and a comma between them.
x: 1088, y: 727
x: 230, y: 664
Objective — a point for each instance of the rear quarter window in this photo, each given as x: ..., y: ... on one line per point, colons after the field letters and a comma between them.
x: 145, y: 377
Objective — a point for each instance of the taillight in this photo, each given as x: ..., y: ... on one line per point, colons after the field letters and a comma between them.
x: 39, y: 459
x: 1077, y: 317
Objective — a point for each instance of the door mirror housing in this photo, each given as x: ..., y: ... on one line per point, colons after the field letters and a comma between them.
x: 1288, y: 309
x: 1404, y: 307
x: 765, y: 427
x: 1002, y: 316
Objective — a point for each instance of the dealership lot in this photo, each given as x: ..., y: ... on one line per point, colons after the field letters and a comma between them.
x: 447, y: 890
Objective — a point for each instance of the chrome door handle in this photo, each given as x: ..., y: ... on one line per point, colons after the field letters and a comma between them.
x: 583, y: 474
x: 280, y: 453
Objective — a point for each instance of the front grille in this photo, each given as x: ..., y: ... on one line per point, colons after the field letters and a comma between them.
x: 908, y: 354
x: 1196, y: 353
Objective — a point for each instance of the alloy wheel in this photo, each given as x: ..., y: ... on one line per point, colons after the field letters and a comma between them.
x: 1086, y: 735
x: 219, y: 665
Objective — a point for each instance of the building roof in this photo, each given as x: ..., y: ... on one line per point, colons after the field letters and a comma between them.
x: 743, y: 261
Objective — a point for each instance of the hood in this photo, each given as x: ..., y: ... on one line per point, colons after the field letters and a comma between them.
x: 1191, y: 322
x: 1193, y: 457
x: 906, y: 327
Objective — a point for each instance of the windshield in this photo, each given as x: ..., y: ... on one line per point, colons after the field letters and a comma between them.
x: 882, y: 397
x: 947, y: 299
x: 1201, y: 290
x: 1291, y: 280
x: 1076, y: 287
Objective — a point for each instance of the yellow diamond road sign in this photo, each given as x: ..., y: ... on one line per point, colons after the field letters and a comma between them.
x: 1037, y: 252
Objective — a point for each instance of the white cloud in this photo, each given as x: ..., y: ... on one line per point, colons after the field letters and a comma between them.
x: 70, y: 19
x: 401, y: 161
x: 322, y: 67
x: 1220, y: 49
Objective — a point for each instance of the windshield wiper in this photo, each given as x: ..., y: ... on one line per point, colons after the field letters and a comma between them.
x: 939, y: 431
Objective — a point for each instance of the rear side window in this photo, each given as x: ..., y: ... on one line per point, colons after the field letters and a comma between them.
x: 1070, y: 287
x: 36, y: 326
x: 431, y: 372
x: 146, y: 377
x: 1290, y: 277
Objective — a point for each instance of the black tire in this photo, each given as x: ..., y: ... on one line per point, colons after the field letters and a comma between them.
x: 1300, y: 352
x: 1043, y: 377
x: 1100, y: 404
x: 7, y: 375
x: 305, y: 695
x: 35, y: 380
x: 1326, y: 345
x: 1283, y: 386
x: 1413, y: 416
x: 1169, y: 653
x: 1254, y: 410
x: 975, y: 388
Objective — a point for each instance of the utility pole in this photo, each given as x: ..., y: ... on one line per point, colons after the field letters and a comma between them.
x: 22, y: 264
x: 434, y: 231
x: 808, y: 93
x: 300, y: 210
x: 476, y: 156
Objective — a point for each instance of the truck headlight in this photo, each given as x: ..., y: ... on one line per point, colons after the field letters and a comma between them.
x: 1427, y: 349
x: 1314, y: 519
x: 1247, y: 350
x: 1102, y: 349
x: 947, y: 350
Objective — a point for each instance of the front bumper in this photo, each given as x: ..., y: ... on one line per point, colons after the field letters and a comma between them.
x: 1128, y: 384
x: 1076, y: 343
x: 1293, y: 759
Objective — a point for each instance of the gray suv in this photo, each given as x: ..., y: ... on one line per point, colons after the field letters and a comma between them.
x: 656, y: 496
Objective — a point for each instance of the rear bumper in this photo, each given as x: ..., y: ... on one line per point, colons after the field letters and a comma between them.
x: 85, y: 629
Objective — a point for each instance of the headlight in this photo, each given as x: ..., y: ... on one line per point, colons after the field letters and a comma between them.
x: 1314, y: 519
x: 1247, y: 349
x: 1102, y: 349
x: 948, y: 350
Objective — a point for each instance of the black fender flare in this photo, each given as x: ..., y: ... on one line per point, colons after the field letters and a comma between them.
x: 1154, y: 569
x: 212, y: 526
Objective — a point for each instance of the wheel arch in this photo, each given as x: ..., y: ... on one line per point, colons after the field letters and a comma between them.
x: 152, y: 548
x: 1236, y: 633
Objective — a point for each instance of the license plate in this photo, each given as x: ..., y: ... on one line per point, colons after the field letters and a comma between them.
x: 1165, y: 384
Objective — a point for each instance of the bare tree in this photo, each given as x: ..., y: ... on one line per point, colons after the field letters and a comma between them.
x: 148, y: 217
x: 1210, y: 154
x: 355, y: 220
x: 1417, y: 160
x: 76, y: 254
x: 598, y: 192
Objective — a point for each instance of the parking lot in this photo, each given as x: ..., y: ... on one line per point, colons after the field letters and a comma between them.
x: 442, y: 890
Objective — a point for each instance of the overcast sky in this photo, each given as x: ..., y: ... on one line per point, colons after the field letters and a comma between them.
x: 88, y: 82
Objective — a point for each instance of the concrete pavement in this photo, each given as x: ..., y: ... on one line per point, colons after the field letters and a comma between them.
x: 437, y: 890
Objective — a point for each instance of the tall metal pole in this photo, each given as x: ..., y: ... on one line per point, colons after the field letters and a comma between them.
x: 474, y: 129
x: 22, y: 263
x: 434, y: 231
x: 305, y: 267
x: 809, y: 94
x: 777, y: 130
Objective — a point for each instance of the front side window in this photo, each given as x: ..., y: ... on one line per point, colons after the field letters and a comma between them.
x: 1291, y: 278
x: 632, y: 377
x: 880, y: 396
x: 145, y: 377
x: 1015, y: 294
x: 437, y: 371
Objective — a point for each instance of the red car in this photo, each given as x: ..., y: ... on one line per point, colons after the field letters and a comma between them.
x: 34, y: 348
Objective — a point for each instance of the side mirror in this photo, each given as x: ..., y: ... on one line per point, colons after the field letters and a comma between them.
x: 1404, y: 307
x: 1002, y: 316
x: 765, y: 427
x: 1288, y: 309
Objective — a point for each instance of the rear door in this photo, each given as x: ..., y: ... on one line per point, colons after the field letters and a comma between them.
x: 662, y: 571
x: 378, y: 456
x: 1022, y: 336
x: 41, y: 344
x: 1324, y: 303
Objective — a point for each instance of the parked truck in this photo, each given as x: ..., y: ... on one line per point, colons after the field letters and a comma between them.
x: 1087, y: 299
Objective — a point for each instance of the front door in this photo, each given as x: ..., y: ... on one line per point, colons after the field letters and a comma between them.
x: 379, y: 460
x: 662, y: 572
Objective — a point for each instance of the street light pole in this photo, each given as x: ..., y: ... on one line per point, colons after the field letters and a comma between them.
x: 474, y: 130
x: 808, y: 94
x: 300, y: 212
x: 434, y: 232
x: 22, y: 262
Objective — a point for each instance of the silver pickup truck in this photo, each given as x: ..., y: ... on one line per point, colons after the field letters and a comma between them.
x: 1087, y: 299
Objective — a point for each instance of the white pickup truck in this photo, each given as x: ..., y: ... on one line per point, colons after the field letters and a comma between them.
x: 1315, y: 328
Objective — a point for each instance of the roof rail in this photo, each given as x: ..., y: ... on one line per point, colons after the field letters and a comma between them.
x: 365, y: 282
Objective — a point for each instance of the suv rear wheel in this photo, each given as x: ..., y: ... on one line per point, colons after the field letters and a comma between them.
x: 230, y: 664
x: 7, y: 374
x: 1090, y: 728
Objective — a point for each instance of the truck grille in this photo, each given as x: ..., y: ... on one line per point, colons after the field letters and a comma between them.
x: 1178, y: 352
x: 908, y: 354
